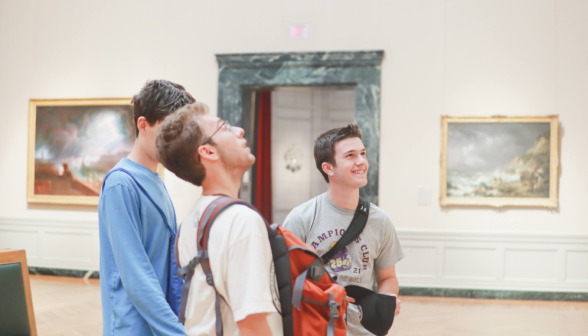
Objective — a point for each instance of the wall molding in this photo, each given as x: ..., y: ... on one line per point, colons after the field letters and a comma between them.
x: 482, y: 260
x: 435, y: 259
x: 53, y: 243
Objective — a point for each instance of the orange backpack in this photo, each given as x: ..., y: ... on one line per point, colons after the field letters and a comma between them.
x: 312, y: 303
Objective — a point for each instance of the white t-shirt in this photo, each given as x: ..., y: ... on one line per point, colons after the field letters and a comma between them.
x: 241, y: 264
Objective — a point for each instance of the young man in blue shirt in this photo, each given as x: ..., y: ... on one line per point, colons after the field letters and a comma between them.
x: 140, y: 292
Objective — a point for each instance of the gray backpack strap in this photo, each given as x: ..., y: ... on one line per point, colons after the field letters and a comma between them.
x: 202, y: 258
x: 187, y: 272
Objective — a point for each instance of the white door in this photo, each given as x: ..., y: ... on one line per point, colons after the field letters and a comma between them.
x: 299, y: 116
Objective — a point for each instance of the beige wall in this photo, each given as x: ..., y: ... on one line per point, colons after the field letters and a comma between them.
x: 442, y: 57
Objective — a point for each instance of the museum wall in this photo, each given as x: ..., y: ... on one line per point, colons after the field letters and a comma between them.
x: 454, y: 57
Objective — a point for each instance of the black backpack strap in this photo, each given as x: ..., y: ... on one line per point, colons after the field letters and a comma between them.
x: 355, y: 228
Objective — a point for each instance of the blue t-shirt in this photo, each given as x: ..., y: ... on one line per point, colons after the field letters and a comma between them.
x: 135, y: 254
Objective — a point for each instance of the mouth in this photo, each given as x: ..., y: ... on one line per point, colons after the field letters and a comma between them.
x: 358, y: 172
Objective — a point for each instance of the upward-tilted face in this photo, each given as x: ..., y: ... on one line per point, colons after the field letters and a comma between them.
x: 229, y: 142
x: 351, y: 164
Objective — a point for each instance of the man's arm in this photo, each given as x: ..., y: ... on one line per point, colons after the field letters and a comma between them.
x: 122, y: 222
x: 246, y: 269
x: 254, y: 325
x: 388, y: 284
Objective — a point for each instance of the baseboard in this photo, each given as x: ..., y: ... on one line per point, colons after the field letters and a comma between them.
x: 493, y: 294
x: 60, y: 272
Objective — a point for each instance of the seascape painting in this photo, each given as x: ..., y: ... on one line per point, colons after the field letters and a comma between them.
x: 499, y: 162
x: 76, y: 143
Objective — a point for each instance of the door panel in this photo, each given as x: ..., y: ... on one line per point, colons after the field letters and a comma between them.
x: 299, y: 116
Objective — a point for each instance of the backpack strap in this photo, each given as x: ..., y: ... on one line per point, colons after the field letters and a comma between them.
x: 202, y: 258
x: 177, y: 255
x: 187, y: 272
x: 354, y: 229
x: 172, y: 296
x: 144, y: 193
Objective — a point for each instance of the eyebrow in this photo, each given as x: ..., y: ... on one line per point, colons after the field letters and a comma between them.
x: 353, y: 150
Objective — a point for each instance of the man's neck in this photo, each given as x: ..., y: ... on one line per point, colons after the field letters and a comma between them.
x: 138, y: 155
x: 344, y: 197
x: 221, y: 182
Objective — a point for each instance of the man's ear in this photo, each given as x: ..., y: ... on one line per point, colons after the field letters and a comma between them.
x: 142, y: 125
x: 208, y: 153
x: 328, y: 168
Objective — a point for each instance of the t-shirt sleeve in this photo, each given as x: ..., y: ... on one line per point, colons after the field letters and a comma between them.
x: 249, y: 269
x: 390, y: 252
x: 295, y: 224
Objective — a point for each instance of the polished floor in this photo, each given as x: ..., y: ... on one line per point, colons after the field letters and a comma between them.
x: 65, y: 306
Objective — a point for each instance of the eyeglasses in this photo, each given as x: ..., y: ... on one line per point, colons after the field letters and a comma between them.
x: 225, y: 124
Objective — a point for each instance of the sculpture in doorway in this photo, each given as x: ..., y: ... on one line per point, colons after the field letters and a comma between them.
x: 292, y: 159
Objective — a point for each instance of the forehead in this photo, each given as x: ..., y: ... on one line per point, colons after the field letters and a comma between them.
x: 208, y: 121
x: 347, y: 145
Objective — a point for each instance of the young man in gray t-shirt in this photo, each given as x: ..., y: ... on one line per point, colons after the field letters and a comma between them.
x: 341, y: 158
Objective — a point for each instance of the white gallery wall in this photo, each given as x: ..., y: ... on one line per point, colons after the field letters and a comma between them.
x: 452, y: 57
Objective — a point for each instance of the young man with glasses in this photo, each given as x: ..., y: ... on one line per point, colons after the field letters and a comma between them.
x: 340, y: 156
x: 137, y: 223
x: 207, y: 151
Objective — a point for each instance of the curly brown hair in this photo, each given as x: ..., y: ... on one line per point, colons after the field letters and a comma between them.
x: 178, y: 140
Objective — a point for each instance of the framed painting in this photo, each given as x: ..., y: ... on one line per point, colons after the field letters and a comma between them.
x: 73, y: 144
x: 499, y: 161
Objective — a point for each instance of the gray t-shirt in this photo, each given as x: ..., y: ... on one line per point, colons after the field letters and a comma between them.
x: 320, y: 223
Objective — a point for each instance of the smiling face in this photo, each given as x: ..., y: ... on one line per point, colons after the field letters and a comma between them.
x: 351, y: 164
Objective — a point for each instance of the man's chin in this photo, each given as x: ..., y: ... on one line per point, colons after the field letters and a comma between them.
x: 251, y: 160
x: 359, y: 183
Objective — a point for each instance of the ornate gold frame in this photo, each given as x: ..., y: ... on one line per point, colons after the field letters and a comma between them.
x: 551, y: 202
x: 53, y: 199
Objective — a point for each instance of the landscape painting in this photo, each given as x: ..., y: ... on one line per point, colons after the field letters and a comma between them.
x: 72, y: 146
x: 500, y: 161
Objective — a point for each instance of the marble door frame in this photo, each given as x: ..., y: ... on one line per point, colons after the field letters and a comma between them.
x: 240, y: 74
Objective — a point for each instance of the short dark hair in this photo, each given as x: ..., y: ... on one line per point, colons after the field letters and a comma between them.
x: 178, y: 140
x: 158, y: 99
x: 324, y: 146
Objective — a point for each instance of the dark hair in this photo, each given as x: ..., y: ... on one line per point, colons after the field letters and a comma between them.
x: 178, y: 140
x: 324, y: 146
x: 158, y: 99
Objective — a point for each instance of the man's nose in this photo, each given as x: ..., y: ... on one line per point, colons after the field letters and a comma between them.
x: 361, y: 160
x: 239, y: 132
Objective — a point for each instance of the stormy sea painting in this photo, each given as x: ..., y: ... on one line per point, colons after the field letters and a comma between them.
x: 75, y: 146
x: 498, y: 160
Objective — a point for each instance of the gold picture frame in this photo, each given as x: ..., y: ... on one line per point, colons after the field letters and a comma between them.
x: 73, y: 143
x: 475, y: 166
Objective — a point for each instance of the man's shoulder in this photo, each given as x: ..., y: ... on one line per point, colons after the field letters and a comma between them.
x: 307, y: 208
x: 238, y: 223
x: 237, y: 215
x: 378, y: 213
x: 380, y: 217
x: 118, y: 176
